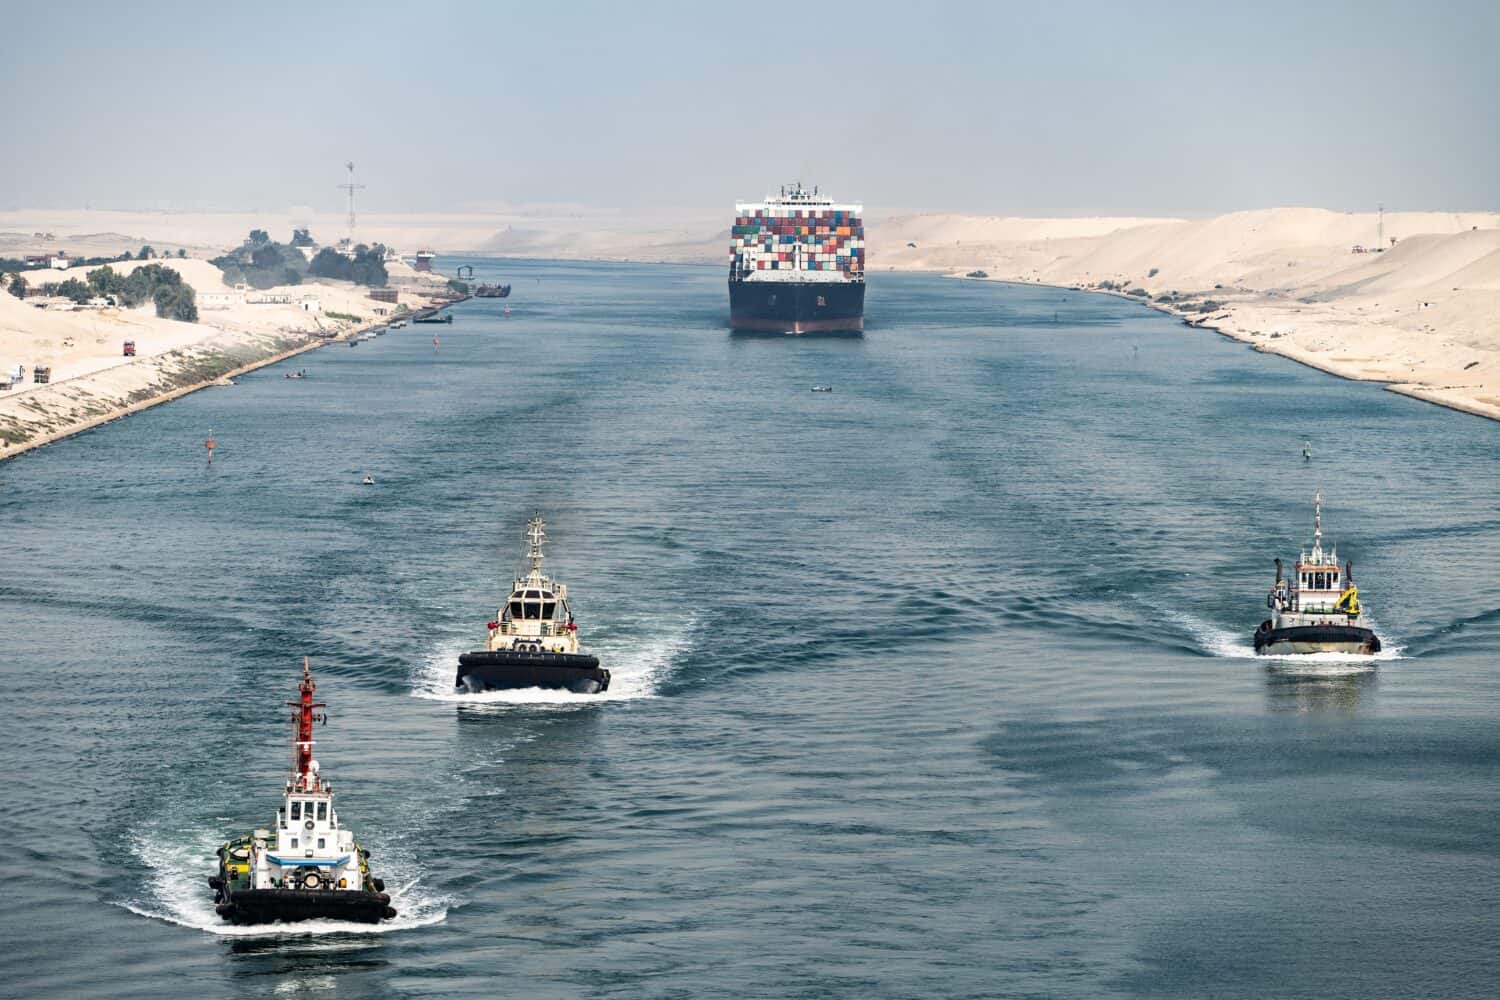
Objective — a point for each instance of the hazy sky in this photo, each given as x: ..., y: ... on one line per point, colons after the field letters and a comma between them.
x: 1028, y: 109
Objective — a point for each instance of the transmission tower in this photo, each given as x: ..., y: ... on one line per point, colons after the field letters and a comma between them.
x: 351, y: 187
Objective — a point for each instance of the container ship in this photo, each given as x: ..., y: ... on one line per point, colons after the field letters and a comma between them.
x: 797, y: 265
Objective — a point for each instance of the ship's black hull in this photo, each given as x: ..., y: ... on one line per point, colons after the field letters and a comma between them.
x: 492, y: 292
x: 1315, y: 639
x: 266, y: 906
x: 795, y: 307
x: 511, y: 670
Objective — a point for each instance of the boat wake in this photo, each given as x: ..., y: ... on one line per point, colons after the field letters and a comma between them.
x: 1222, y: 643
x: 636, y: 671
x: 176, y: 891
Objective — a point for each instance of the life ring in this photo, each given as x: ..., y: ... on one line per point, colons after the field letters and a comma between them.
x: 308, y: 825
x: 312, y: 880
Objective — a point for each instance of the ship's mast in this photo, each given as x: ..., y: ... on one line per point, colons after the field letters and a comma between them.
x: 303, y: 717
x: 535, y: 534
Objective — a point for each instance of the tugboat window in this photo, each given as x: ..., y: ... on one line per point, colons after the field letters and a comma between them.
x: 296, y: 809
x: 549, y: 610
x: 533, y: 610
x: 321, y: 843
x: 322, y: 810
x: 515, y: 609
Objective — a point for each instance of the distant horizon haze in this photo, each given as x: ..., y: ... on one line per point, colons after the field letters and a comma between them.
x: 1081, y: 109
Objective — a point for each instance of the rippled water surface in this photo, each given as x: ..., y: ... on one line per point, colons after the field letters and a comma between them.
x: 936, y: 685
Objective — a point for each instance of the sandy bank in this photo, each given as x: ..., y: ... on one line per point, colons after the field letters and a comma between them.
x: 1422, y: 316
x: 94, y: 382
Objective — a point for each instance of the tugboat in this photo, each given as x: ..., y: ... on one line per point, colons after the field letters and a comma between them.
x: 1319, y: 610
x: 310, y: 867
x: 533, y: 640
x: 483, y: 291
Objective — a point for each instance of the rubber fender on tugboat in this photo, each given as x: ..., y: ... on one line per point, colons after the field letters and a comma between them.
x: 378, y: 883
x: 225, y: 910
x: 390, y: 913
x: 214, y: 882
x: 385, y: 899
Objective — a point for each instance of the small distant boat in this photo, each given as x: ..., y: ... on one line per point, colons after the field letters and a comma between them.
x: 483, y: 291
x: 297, y: 374
x: 400, y: 324
x: 435, y: 318
x: 1318, y: 611
x: 369, y: 480
x: 533, y: 640
x: 822, y: 388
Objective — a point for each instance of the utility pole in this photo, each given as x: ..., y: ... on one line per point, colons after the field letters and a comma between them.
x: 351, y: 187
x: 1379, y: 227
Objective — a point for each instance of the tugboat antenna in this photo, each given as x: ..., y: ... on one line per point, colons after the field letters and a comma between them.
x: 303, y: 718
x: 536, y: 534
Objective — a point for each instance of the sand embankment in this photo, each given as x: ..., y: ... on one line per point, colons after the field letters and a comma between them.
x: 1422, y: 316
x: 92, y: 381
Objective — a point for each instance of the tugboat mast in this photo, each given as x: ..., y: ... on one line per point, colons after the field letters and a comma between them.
x: 304, y: 776
x: 536, y: 534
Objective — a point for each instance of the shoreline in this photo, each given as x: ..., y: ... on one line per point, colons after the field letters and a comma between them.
x: 1417, y: 391
x: 99, y: 410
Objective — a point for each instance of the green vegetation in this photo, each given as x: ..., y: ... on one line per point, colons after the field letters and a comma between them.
x: 367, y: 267
x: 262, y: 263
x: 147, y: 252
x: 1139, y: 291
x: 72, y: 289
x: 17, y: 286
x: 343, y: 316
x: 461, y: 287
x: 1152, y: 273
x: 302, y: 238
x: 173, y: 297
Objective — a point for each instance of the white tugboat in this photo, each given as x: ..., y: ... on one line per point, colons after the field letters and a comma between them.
x: 533, y: 640
x: 309, y: 867
x: 1318, y: 611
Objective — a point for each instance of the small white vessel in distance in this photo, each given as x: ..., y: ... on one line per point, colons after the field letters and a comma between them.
x: 533, y: 640
x: 369, y: 480
x: 1318, y: 611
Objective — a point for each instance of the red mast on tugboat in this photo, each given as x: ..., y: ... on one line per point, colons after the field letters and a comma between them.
x: 303, y: 716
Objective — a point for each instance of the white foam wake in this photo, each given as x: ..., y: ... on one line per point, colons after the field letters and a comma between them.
x: 1221, y: 642
x: 636, y: 669
x: 177, y: 892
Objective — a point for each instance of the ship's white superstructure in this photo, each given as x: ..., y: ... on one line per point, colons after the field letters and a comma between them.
x: 536, y: 617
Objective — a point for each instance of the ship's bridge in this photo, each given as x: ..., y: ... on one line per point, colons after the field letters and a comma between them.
x: 534, y: 605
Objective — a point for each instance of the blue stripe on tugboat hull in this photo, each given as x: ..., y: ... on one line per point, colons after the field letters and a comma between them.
x: 265, y: 906
x: 1330, y: 638
x: 797, y: 307
x: 510, y: 670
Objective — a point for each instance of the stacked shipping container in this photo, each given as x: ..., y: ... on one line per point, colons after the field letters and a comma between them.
x: 779, y: 237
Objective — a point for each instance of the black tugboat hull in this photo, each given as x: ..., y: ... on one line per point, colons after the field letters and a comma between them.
x: 1315, y: 639
x: 512, y: 670
x: 266, y: 906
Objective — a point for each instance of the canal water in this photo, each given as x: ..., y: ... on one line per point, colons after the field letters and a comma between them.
x: 939, y: 684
